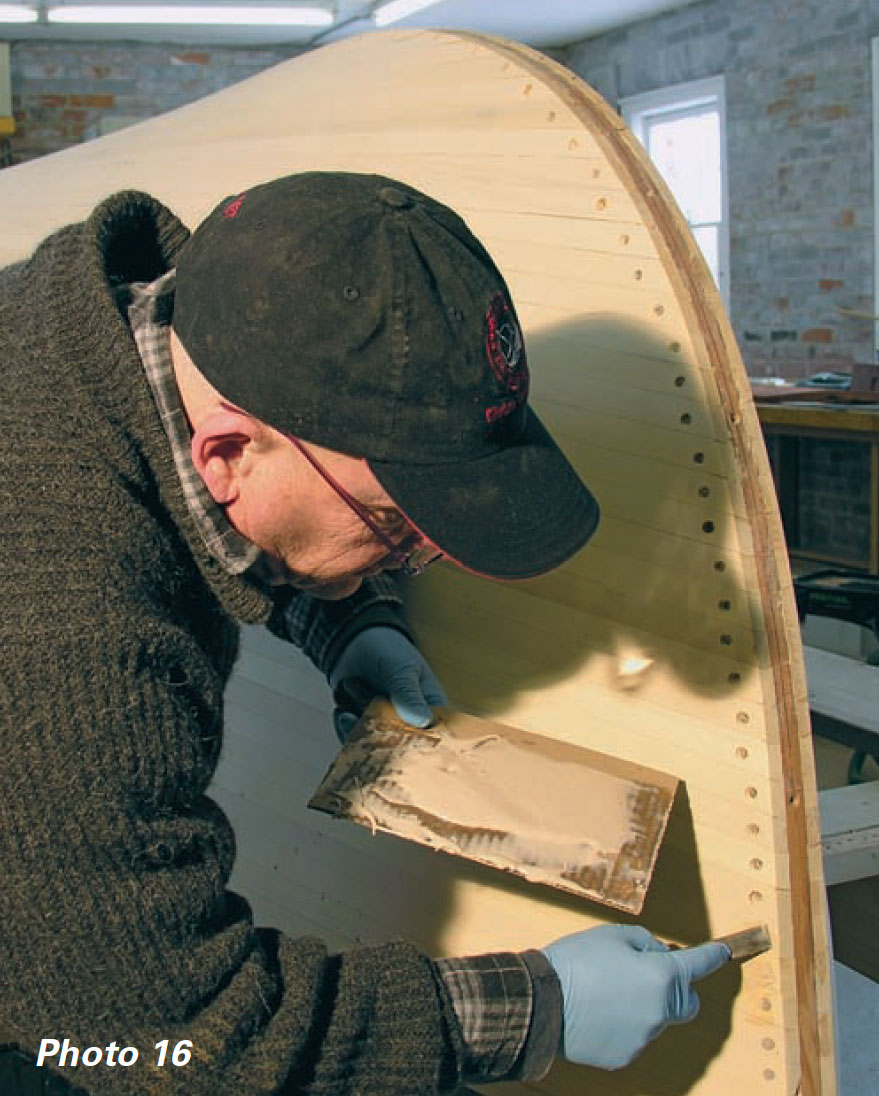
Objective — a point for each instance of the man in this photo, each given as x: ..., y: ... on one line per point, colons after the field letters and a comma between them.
x: 326, y: 382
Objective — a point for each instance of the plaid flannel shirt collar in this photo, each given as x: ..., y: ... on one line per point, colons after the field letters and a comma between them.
x: 149, y: 307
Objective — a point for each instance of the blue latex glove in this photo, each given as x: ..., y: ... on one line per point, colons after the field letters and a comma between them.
x: 621, y: 987
x: 391, y: 666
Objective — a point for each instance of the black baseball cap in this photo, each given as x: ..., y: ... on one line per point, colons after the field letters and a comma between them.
x: 356, y: 312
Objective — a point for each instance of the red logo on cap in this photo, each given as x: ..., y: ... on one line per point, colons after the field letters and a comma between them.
x: 505, y: 349
x: 234, y: 207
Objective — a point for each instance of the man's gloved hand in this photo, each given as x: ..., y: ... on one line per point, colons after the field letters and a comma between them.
x: 391, y: 666
x: 621, y: 987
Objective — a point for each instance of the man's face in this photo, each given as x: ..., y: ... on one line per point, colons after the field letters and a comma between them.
x: 312, y: 538
x: 275, y: 497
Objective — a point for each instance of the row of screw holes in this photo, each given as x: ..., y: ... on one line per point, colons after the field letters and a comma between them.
x: 726, y: 639
x: 742, y: 752
x: 708, y: 527
x: 686, y: 419
x: 601, y: 205
x: 755, y: 897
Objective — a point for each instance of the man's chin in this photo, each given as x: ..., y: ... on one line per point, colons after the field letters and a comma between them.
x: 335, y: 591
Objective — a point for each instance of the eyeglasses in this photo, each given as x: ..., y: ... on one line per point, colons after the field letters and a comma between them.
x: 414, y: 562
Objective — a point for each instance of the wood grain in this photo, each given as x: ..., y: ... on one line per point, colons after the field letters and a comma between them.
x: 636, y: 371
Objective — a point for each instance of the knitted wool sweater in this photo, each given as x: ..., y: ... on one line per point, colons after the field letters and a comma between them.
x: 118, y: 635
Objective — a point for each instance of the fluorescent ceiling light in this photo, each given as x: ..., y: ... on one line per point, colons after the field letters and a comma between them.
x: 17, y: 13
x: 398, y: 9
x: 191, y: 15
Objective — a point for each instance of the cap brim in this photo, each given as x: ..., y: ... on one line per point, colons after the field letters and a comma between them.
x: 514, y: 514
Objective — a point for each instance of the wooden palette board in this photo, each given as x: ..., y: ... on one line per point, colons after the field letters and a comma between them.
x: 636, y: 371
x: 546, y: 810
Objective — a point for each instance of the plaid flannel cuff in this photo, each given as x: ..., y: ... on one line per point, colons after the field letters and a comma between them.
x: 492, y: 998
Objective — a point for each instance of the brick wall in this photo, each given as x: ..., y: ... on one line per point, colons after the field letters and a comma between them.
x: 800, y: 143
x: 825, y: 487
x: 800, y: 161
x: 63, y: 93
x: 799, y: 117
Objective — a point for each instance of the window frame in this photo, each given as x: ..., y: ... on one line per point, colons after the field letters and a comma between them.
x: 679, y: 99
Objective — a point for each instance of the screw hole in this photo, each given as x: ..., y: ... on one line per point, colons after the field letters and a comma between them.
x: 719, y: 565
x: 726, y: 640
x: 680, y: 382
x: 707, y: 526
x: 686, y: 418
x: 724, y: 606
x: 699, y: 458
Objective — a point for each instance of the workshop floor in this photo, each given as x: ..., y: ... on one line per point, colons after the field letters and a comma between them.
x: 854, y: 917
x: 857, y: 1008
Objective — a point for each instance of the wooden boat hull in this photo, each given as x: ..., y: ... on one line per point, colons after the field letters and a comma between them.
x: 671, y: 641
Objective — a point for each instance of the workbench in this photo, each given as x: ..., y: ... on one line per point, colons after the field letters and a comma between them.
x: 843, y: 697
x: 787, y: 425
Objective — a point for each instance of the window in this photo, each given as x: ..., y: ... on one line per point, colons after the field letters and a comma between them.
x: 683, y: 129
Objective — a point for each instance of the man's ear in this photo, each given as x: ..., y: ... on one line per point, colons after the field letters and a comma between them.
x: 220, y: 452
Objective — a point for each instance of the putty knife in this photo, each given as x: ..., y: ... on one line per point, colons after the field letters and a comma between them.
x: 539, y: 808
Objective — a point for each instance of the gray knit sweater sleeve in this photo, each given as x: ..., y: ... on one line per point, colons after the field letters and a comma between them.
x: 118, y: 636
x: 117, y: 924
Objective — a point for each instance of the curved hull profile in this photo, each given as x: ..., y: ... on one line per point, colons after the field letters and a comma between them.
x: 671, y: 640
